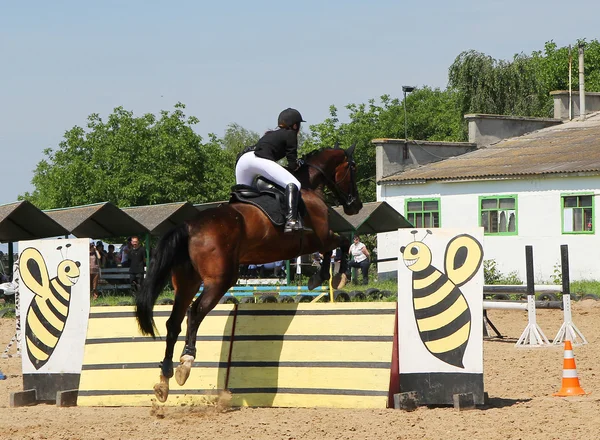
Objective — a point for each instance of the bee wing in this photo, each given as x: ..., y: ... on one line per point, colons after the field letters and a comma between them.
x: 463, y: 258
x: 34, y: 273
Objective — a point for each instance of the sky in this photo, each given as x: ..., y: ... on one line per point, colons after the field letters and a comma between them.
x: 239, y: 61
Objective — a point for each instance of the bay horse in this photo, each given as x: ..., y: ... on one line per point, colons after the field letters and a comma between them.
x: 210, y: 248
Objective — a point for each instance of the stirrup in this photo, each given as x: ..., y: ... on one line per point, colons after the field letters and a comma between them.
x: 292, y: 226
x: 295, y: 225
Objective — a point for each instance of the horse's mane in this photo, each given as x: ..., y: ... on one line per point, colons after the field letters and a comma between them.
x: 314, y: 153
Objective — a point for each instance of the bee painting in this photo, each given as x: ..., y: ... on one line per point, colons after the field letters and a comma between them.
x: 442, y: 313
x: 49, y: 308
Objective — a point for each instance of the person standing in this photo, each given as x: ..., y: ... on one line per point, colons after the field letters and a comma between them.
x: 360, y: 259
x: 137, y: 260
x: 124, y: 252
x: 111, y: 257
x: 94, y: 270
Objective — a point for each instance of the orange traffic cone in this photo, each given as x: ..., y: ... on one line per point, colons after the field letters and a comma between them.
x: 570, y: 382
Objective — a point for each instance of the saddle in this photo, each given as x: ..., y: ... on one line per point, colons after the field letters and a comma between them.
x: 267, y: 196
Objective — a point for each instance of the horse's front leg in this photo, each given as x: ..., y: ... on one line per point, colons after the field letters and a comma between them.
x: 339, y: 280
x: 323, y: 274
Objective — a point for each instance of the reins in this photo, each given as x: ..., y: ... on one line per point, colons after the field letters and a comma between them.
x: 347, y: 199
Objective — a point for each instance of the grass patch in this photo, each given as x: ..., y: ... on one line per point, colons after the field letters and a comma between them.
x: 585, y: 287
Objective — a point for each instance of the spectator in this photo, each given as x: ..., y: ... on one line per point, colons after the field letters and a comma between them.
x: 9, y: 288
x: 125, y: 247
x: 112, y: 259
x: 102, y: 252
x: 137, y: 262
x: 94, y: 270
x: 360, y: 258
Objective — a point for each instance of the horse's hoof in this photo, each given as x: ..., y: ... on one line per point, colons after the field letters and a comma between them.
x: 182, y: 373
x: 161, y: 391
x: 339, y: 280
x: 315, y: 281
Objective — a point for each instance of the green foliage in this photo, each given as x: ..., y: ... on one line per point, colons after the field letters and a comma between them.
x: 237, y: 138
x: 432, y: 114
x: 132, y: 161
x: 520, y: 86
x: 492, y: 275
x: 556, y: 276
x: 584, y: 287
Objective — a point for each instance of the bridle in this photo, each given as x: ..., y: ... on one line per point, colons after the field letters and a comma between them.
x: 346, y: 199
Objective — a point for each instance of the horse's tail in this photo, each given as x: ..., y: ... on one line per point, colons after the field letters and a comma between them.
x: 171, y: 251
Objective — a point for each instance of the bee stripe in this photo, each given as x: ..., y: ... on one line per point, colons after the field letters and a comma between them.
x: 447, y: 330
x: 47, y: 350
x: 420, y: 293
x: 453, y: 341
x: 435, y: 309
x: 36, y: 352
x: 64, y: 292
x: 53, y: 309
x: 424, y: 273
x: 55, y: 320
x: 59, y: 307
x: 423, y: 283
x: 42, y: 329
x: 435, y: 297
x: 443, y: 318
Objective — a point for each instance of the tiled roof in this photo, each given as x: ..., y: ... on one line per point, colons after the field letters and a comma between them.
x: 572, y: 147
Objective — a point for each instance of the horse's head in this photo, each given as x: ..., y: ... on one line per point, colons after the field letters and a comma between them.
x: 336, y: 169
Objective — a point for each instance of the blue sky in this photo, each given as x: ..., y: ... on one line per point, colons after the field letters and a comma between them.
x: 238, y: 61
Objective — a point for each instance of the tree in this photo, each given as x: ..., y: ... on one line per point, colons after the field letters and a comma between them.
x: 237, y: 138
x: 522, y: 86
x: 132, y: 161
x: 432, y: 114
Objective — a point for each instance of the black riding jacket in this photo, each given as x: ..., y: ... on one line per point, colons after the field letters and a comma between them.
x: 275, y: 145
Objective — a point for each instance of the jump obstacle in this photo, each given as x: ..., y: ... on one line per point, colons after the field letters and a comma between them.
x: 533, y: 336
x: 285, y: 355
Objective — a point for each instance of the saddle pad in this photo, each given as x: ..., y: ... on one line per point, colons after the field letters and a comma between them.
x: 273, y: 208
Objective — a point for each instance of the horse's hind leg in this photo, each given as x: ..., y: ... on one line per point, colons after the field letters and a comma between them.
x: 214, y: 289
x: 186, y: 284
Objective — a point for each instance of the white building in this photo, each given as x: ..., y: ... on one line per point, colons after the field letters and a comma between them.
x: 527, y: 181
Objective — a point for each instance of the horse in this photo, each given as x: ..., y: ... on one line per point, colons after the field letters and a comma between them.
x: 210, y: 248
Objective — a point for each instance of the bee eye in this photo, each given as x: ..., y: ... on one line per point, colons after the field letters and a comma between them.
x: 414, y: 251
x: 68, y: 269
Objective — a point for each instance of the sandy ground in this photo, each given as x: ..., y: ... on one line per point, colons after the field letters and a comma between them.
x: 520, y: 383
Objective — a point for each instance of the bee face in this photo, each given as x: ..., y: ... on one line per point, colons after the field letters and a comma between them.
x: 416, y: 255
x: 68, y: 272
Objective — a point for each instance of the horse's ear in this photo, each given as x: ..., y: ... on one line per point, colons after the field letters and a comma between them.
x: 336, y: 145
x: 350, y: 151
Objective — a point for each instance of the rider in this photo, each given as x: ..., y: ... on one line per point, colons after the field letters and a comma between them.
x: 273, y: 146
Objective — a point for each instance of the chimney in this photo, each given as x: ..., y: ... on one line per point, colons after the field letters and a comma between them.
x: 581, y: 84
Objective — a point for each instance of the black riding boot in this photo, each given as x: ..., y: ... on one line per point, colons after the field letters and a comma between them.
x: 293, y: 222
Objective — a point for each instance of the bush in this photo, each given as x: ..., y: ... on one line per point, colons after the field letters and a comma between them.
x: 492, y: 274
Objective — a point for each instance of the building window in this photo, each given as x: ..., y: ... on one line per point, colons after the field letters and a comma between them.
x: 578, y: 213
x: 498, y: 215
x: 423, y: 213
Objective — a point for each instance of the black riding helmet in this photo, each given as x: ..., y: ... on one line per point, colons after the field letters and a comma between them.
x: 289, y: 117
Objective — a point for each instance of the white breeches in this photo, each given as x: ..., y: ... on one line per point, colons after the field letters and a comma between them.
x: 249, y: 166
